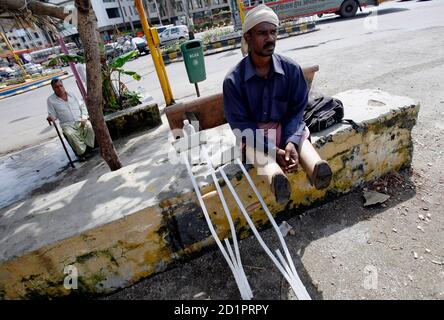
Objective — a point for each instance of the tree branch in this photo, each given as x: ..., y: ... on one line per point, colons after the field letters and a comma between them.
x: 36, y: 7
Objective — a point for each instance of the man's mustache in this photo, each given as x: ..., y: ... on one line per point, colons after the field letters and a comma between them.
x: 269, y: 44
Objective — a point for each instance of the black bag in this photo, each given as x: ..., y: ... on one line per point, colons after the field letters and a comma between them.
x: 322, y: 112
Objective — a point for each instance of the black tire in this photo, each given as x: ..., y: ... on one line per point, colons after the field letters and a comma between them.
x: 348, y: 8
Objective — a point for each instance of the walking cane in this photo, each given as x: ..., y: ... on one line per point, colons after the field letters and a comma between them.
x: 61, y: 140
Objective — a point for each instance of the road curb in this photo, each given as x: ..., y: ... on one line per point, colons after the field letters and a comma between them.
x: 32, y: 86
x: 230, y: 44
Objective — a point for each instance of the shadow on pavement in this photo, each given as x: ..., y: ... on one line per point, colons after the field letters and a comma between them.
x: 19, y: 119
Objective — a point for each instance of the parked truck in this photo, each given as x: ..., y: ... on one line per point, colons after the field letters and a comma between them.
x: 290, y: 9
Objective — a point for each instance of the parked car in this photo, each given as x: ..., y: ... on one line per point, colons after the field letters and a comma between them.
x: 140, y: 45
x: 7, y: 73
x: 111, y: 50
x: 160, y: 29
x: 125, y: 45
x: 33, y: 68
x: 173, y: 34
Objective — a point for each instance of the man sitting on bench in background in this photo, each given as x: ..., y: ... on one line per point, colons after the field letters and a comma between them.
x: 73, y: 119
x: 268, y: 91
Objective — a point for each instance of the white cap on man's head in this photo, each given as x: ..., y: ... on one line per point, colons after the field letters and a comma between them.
x: 261, y: 13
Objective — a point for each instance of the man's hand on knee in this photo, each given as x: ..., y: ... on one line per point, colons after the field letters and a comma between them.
x: 291, y: 157
x: 288, y: 158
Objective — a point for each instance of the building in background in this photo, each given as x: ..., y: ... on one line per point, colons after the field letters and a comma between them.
x: 116, y: 17
x: 25, y: 38
x: 209, y: 13
x: 201, y: 13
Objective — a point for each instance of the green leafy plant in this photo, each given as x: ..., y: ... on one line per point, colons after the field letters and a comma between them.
x: 16, y: 80
x: 216, y: 32
x: 114, y: 90
x: 65, y: 58
x: 175, y: 47
x: 131, y: 99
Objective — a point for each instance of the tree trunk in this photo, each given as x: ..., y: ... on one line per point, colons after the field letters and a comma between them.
x: 37, y: 7
x: 87, y: 31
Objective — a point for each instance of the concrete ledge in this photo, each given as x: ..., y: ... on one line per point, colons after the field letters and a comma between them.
x: 125, y: 122
x: 139, y: 220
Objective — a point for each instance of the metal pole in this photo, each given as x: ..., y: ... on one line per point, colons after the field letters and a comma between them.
x: 132, y: 25
x: 158, y: 14
x: 63, y: 144
x: 241, y: 10
x: 17, y: 59
x: 121, y: 12
x: 197, y: 89
x: 156, y: 55
x: 189, y: 20
x: 73, y: 69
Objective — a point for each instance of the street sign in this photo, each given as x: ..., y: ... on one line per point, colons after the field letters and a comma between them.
x: 27, y: 57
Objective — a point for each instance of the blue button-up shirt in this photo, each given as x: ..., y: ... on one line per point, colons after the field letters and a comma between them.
x: 281, y: 97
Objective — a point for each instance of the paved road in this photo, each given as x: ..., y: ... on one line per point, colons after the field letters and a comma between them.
x: 22, y: 117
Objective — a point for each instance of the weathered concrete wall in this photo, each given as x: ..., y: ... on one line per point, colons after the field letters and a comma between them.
x: 125, y: 122
x: 139, y: 220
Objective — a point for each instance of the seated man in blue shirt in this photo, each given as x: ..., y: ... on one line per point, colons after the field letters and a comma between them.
x: 268, y: 91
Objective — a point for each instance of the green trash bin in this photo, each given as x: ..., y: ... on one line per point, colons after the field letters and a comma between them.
x: 192, y: 52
